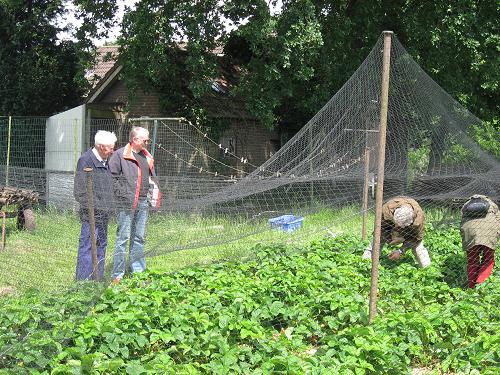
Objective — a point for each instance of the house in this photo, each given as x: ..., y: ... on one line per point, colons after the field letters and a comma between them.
x: 243, y: 145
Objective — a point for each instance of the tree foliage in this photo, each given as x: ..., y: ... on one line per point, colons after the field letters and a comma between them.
x: 41, y: 74
x: 294, y: 60
x: 457, y: 44
x: 152, y: 59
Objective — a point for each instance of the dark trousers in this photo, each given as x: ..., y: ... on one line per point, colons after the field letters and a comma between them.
x: 84, y: 266
x: 480, y: 262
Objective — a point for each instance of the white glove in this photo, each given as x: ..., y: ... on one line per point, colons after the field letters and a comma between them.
x: 367, y: 254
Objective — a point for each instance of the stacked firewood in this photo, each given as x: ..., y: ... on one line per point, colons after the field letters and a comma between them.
x: 10, y: 195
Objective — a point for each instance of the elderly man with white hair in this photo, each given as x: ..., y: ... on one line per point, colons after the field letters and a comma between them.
x: 135, y: 188
x: 403, y: 222
x: 95, y: 158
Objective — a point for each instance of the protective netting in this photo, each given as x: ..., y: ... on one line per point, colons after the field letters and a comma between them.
x: 218, y: 195
x: 429, y: 156
x: 218, y: 203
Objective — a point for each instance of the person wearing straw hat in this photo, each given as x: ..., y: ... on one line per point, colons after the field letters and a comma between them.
x: 95, y: 158
x: 402, y: 223
x: 480, y: 231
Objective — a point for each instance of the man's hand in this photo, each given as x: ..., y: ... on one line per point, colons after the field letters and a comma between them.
x: 396, y: 238
x: 395, y: 255
x: 396, y: 241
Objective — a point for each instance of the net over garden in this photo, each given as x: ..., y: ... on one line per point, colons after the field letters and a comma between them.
x: 216, y: 200
x: 300, y: 299
x: 429, y: 156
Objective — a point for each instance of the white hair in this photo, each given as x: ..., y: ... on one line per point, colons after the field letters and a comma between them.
x: 403, y: 216
x: 136, y: 131
x: 105, y: 138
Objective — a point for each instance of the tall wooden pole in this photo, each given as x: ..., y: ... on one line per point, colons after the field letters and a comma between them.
x: 90, y: 206
x: 365, y: 193
x: 2, y: 242
x: 384, y: 100
x: 311, y: 188
x: 7, y: 166
x: 153, y: 141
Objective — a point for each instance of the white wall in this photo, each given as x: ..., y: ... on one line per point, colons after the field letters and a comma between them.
x: 64, y: 142
x: 64, y: 139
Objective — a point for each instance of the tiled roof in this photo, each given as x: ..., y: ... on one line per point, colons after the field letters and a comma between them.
x: 107, y: 56
x: 218, y: 102
x: 217, y: 51
x: 105, y: 60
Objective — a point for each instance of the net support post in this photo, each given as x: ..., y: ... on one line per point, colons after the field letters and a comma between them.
x: 4, y: 216
x: 311, y: 169
x: 90, y: 206
x: 365, y: 193
x: 7, y: 165
x: 153, y: 141
x: 379, y: 197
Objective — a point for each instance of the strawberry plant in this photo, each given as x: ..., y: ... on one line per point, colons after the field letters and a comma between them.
x: 288, y: 310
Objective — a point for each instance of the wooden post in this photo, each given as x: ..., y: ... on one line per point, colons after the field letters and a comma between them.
x: 380, y: 174
x: 153, y: 141
x: 90, y: 206
x: 8, y: 152
x: 365, y: 193
x: 2, y: 244
x: 311, y: 188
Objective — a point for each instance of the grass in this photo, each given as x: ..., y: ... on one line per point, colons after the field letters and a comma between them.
x: 40, y: 259
x: 237, y: 240
x: 45, y: 260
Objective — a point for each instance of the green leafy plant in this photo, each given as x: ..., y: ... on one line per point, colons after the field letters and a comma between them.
x: 289, y: 310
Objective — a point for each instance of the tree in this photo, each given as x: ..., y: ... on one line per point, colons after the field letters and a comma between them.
x: 153, y: 60
x: 457, y: 44
x: 41, y: 74
x: 292, y: 62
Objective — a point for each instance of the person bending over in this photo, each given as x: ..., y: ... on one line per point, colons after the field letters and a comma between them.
x: 402, y: 223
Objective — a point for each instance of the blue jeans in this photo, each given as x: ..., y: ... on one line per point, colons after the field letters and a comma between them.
x: 84, y: 266
x: 132, y: 230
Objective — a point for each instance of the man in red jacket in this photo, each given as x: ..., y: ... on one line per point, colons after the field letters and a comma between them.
x: 134, y: 175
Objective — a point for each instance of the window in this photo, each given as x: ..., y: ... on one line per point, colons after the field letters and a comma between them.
x: 273, y: 147
x: 217, y: 87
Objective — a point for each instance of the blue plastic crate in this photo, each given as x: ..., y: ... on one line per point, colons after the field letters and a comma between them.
x: 287, y: 223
